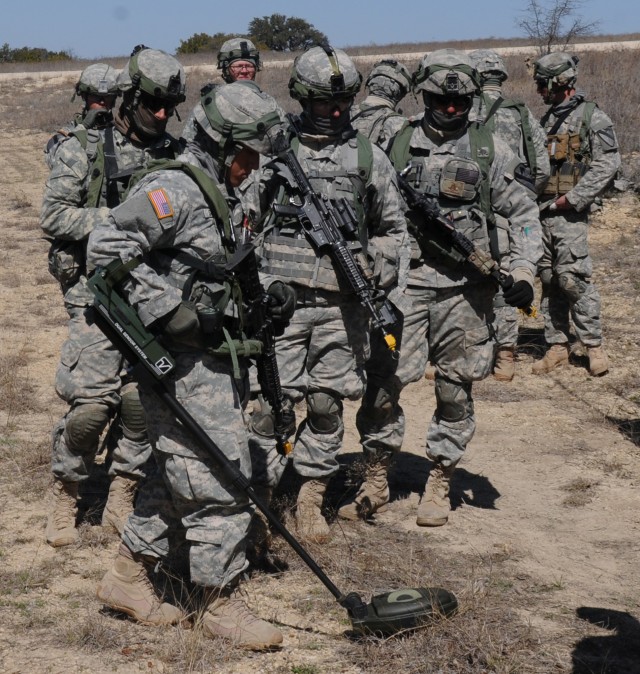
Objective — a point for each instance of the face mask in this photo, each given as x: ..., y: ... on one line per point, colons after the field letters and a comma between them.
x: 441, y: 119
x: 147, y: 123
x: 327, y: 126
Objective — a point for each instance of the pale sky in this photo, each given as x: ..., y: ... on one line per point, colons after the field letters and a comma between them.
x: 106, y: 28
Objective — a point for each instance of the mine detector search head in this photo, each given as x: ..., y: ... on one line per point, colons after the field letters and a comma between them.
x: 386, y: 614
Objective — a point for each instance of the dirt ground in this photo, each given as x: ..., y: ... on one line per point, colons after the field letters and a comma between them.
x: 546, y: 497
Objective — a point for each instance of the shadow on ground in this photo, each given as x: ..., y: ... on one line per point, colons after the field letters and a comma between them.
x: 614, y: 653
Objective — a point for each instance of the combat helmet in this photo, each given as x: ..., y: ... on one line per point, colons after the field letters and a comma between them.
x: 155, y: 73
x: 239, y: 115
x: 237, y: 49
x: 446, y: 72
x: 323, y: 73
x: 98, y: 79
x: 557, y: 68
x: 489, y: 65
x: 389, y: 79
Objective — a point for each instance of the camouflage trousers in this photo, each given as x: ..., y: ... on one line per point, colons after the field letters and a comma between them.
x: 565, y: 269
x: 506, y: 322
x: 190, y: 498
x: 451, y: 327
x: 91, y: 371
x: 322, y: 350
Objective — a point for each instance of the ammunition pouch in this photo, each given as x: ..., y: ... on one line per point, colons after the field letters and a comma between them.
x: 67, y: 261
x: 567, y: 165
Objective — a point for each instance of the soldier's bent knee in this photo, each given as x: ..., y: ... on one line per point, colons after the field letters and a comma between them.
x: 546, y: 276
x: 378, y: 405
x: 454, y: 400
x: 572, y: 286
x: 324, y: 412
x: 84, y: 424
x: 134, y: 422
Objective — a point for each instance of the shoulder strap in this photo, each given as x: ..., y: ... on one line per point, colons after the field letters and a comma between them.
x: 365, y: 157
x: 92, y: 144
x: 527, y: 132
x: 587, y: 114
x: 398, y: 149
x: 483, y: 152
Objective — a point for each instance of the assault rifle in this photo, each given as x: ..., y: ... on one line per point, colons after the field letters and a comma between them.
x: 244, y: 265
x: 476, y: 257
x: 326, y: 223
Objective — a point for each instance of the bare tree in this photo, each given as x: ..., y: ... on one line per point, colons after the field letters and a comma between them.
x: 555, y: 24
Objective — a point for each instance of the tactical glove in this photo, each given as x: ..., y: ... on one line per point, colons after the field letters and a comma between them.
x: 518, y: 294
x: 282, y: 301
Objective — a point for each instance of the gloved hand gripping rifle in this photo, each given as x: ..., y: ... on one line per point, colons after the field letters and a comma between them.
x: 325, y: 223
x: 476, y: 257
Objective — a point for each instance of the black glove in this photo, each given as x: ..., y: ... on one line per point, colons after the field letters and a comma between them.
x: 182, y: 325
x: 518, y: 294
x: 282, y: 301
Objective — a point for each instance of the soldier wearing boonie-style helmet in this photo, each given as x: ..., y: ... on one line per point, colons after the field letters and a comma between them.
x: 322, y: 350
x: 378, y: 117
x: 90, y: 172
x: 174, y: 219
x: 514, y: 122
x: 584, y: 155
x: 447, y: 306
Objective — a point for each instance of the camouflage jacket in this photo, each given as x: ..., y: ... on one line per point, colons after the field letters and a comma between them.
x: 378, y: 120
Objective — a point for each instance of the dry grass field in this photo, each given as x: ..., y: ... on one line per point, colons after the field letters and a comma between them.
x: 543, y: 546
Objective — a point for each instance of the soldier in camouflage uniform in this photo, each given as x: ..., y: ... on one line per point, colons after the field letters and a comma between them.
x: 90, y: 172
x: 447, y: 306
x: 171, y: 222
x: 513, y: 122
x: 238, y: 59
x: 323, y: 349
x: 584, y: 157
x: 378, y: 117
x: 98, y: 89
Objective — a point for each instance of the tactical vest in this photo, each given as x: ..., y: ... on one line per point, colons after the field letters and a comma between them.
x: 569, y: 153
x: 462, y: 188
x: 219, y: 302
x: 285, y: 251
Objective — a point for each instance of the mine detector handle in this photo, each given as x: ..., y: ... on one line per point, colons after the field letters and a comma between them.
x: 479, y: 259
x: 326, y: 222
x: 121, y: 324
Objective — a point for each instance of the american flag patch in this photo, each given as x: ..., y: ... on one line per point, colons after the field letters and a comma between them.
x: 161, y: 204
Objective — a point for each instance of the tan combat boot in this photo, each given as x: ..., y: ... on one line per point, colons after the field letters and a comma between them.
x: 373, y: 494
x: 126, y: 587
x: 310, y: 522
x: 227, y: 616
x: 61, y: 524
x: 557, y: 356
x: 504, y: 368
x: 435, y: 506
x: 122, y: 491
x: 598, y: 361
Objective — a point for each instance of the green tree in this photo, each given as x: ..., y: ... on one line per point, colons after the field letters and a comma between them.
x: 554, y: 24
x: 282, y: 33
x: 31, y: 54
x: 201, y: 42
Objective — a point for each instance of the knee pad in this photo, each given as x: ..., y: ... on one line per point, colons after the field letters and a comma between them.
x: 454, y: 400
x: 324, y: 412
x: 546, y: 276
x: 134, y: 422
x: 84, y: 424
x: 378, y: 405
x: 571, y: 285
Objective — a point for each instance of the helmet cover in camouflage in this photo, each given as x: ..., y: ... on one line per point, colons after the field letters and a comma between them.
x: 559, y: 68
x: 389, y: 79
x: 489, y: 64
x: 324, y: 73
x: 98, y: 79
x: 155, y: 73
x: 240, y: 113
x: 237, y: 49
x: 446, y: 72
